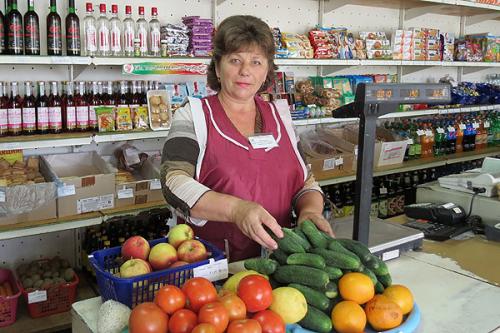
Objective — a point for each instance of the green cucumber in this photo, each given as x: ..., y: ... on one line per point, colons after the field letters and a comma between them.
x: 379, y: 288
x: 274, y: 284
x: 305, y: 275
x: 360, y: 249
x: 335, y: 245
x: 385, y: 279
x: 338, y: 259
x: 372, y: 263
x: 313, y: 297
x: 279, y: 256
x: 313, y: 234
x: 370, y: 274
x: 380, y: 268
x: 330, y: 290
x: 261, y: 265
x: 287, y: 244
x: 296, y: 238
x: 333, y: 272
x: 306, y: 259
x: 316, y: 320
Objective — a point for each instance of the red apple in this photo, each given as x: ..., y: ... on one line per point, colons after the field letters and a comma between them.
x: 162, y: 255
x: 179, y: 234
x: 135, y: 247
x: 192, y: 251
x: 134, y: 267
x: 178, y: 264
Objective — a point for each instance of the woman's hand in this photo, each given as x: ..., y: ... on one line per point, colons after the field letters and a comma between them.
x: 250, y: 218
x: 318, y: 220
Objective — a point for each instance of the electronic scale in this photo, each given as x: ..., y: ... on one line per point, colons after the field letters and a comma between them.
x: 373, y: 100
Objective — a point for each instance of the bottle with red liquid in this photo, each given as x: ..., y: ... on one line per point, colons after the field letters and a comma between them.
x: 4, y: 102
x: 14, y: 111
x: 93, y: 101
x: 42, y: 110
x: 72, y: 31
x: 54, y: 31
x: 123, y: 99
x: 29, y: 110
x: 108, y: 97
x: 14, y: 30
x: 82, y: 108
x: 55, y: 112
x: 3, y: 49
x: 31, y: 30
x: 69, y: 108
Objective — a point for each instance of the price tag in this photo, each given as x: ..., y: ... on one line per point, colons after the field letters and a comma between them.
x: 420, y: 132
x: 155, y: 184
x: 409, y: 141
x: 451, y: 129
x: 65, y: 190
x: 475, y: 125
x: 2, y: 195
x: 339, y: 161
x: 390, y: 255
x: 213, y: 271
x: 486, y: 124
x: 329, y: 164
x: 440, y: 130
x: 125, y: 193
x: 37, y: 296
x: 462, y: 126
x: 383, y: 190
x: 428, y: 133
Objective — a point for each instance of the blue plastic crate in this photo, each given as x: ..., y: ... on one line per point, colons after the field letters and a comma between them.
x: 139, y: 289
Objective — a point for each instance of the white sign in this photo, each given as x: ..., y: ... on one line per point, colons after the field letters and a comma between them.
x: 155, y: 184
x: 329, y: 164
x: 213, y: 271
x: 2, y: 195
x: 65, y: 190
x: 125, y: 193
x: 37, y: 296
x: 390, y: 255
x: 262, y: 141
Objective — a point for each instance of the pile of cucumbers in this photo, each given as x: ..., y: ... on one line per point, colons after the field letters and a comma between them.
x: 312, y: 262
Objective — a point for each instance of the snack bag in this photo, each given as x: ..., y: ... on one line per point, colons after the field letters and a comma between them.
x: 123, y: 119
x: 105, y: 118
x: 141, y: 119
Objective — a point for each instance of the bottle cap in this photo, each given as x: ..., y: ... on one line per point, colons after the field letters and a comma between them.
x: 89, y: 7
x: 128, y: 9
x: 102, y: 8
x: 141, y: 10
x: 154, y: 11
x: 114, y: 9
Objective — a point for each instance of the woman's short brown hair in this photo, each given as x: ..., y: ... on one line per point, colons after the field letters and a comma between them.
x: 237, y: 33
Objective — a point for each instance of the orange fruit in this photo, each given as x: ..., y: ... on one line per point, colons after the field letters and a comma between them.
x: 382, y: 313
x: 356, y: 287
x: 348, y: 317
x: 400, y: 295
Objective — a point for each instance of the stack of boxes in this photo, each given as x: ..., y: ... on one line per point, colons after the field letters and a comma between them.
x: 447, y: 46
x: 426, y: 44
x: 402, y: 45
x: 377, y: 45
x: 200, y: 43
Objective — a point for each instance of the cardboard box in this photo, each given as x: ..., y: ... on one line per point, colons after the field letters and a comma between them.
x: 84, y: 182
x: 26, y: 203
x: 326, y: 161
x: 146, y: 187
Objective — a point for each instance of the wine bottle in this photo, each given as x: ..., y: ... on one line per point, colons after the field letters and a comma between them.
x: 14, y: 111
x: 29, y: 110
x: 72, y: 31
x: 31, y: 30
x: 42, y: 110
x: 54, y: 38
x: 4, y: 101
x: 14, y: 22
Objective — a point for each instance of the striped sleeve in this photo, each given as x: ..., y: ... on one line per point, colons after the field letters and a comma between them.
x: 179, y: 159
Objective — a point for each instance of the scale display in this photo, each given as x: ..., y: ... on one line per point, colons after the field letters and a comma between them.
x: 407, y: 93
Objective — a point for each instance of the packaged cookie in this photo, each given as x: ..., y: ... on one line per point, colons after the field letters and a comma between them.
x: 160, y: 115
x: 105, y: 119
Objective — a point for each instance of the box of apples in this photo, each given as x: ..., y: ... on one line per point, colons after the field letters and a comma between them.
x: 134, y: 272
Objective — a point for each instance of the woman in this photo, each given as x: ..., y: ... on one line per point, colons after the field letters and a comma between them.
x: 232, y: 159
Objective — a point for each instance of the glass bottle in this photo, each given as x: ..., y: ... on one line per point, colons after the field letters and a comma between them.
x: 42, y: 110
x: 108, y: 96
x: 123, y: 100
x: 82, y: 108
x: 29, y: 110
x: 55, y: 113
x: 3, y: 49
x: 154, y: 33
x: 72, y: 31
x: 4, y: 105
x: 90, y: 32
x: 31, y: 30
x: 54, y: 35
x: 115, y: 26
x: 14, y: 111
x: 103, y: 32
x: 93, y: 101
x: 382, y: 204
x: 14, y: 30
x: 142, y: 32
x: 128, y: 32
x: 69, y: 108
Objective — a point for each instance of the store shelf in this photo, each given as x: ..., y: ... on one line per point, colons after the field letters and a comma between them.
x: 113, y: 137
x: 132, y: 210
x: 115, y: 61
x: 422, y: 163
x: 43, y: 60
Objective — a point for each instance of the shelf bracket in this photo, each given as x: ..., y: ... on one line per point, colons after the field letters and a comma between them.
x: 77, y: 70
x: 471, y: 20
x: 332, y: 5
x: 411, y: 13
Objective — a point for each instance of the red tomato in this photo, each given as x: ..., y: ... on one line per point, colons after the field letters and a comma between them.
x: 216, y: 314
x: 270, y: 321
x: 204, y: 328
x: 170, y: 299
x: 199, y: 291
x: 147, y: 318
x: 182, y: 321
x: 244, y: 326
x: 256, y: 292
x: 234, y: 306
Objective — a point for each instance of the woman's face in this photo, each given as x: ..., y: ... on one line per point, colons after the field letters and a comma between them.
x: 242, y: 73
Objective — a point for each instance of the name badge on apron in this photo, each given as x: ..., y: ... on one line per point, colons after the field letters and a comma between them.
x: 262, y: 141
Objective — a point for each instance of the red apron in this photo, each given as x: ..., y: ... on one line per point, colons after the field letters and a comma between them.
x: 269, y: 178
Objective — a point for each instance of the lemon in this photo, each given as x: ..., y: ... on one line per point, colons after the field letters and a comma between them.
x: 290, y: 304
x: 232, y: 283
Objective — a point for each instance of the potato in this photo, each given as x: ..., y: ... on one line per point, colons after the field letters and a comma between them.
x: 154, y: 100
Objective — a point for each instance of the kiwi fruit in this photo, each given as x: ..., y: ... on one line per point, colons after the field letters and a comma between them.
x: 47, y: 274
x: 47, y: 283
x: 69, y: 273
x: 37, y: 284
x: 27, y: 283
x: 36, y: 277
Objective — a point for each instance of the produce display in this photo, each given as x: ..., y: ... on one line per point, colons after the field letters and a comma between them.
x: 45, y: 274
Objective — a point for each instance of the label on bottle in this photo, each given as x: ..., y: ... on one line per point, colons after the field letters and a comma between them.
x: 129, y: 36
x: 116, y: 39
x: 462, y: 126
x: 383, y: 190
x: 409, y: 141
x: 103, y: 39
x: 486, y: 124
x: 440, y: 130
x: 155, y: 41
x: 91, y: 39
x: 475, y: 125
x: 2, y: 37
x: 451, y: 129
x: 55, y: 118
x: 70, y: 117
x: 29, y: 118
x: 382, y: 208
x: 92, y: 116
x: 4, y: 120
x: 82, y: 116
x: 15, y: 37
x: 428, y: 133
x: 142, y: 35
x: 54, y: 41
x: 32, y: 36
x: 43, y: 118
x: 418, y: 149
x: 73, y: 38
x: 14, y: 117
x: 420, y: 132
